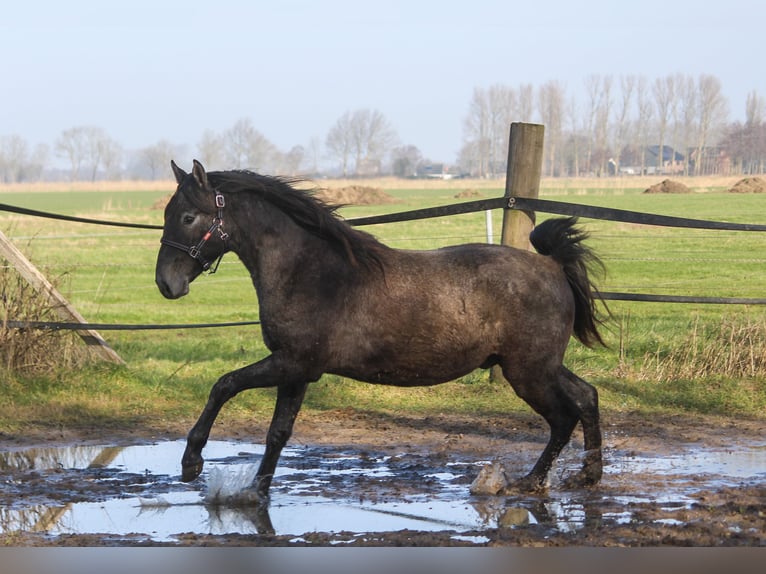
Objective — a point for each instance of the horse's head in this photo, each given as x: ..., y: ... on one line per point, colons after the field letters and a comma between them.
x: 193, y: 236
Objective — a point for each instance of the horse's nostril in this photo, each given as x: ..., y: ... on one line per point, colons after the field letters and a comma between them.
x: 163, y: 286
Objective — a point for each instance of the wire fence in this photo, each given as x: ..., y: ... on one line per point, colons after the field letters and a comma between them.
x: 526, y: 204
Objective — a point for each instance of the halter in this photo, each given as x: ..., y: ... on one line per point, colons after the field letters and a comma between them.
x: 195, y: 251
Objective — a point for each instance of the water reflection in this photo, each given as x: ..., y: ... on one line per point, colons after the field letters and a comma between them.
x: 137, y: 489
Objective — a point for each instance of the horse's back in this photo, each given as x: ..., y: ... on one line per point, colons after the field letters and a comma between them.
x: 437, y: 315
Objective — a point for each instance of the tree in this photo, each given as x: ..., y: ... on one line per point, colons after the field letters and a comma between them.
x: 339, y: 141
x: 71, y: 145
x: 405, y: 160
x: 627, y: 91
x: 87, y: 146
x: 712, y: 113
x: 156, y: 158
x: 14, y: 156
x: 210, y: 148
x: 372, y: 136
x: 486, y: 127
x: 477, y: 134
x: 687, y: 102
x: 293, y: 160
x: 664, y: 95
x: 366, y: 134
x: 551, y: 97
x: 244, y: 147
x: 645, y: 110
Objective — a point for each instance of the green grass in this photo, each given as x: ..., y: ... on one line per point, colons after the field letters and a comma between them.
x: 108, y: 274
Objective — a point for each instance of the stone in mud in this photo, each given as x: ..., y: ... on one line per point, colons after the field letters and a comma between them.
x: 491, y: 480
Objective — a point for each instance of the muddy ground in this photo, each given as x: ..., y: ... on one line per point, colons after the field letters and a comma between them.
x: 621, y: 511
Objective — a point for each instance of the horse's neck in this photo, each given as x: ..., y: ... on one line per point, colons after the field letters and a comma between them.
x: 278, y: 252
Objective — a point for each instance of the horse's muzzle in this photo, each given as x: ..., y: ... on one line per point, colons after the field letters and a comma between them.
x: 172, y: 290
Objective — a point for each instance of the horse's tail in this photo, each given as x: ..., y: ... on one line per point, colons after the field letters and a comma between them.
x: 561, y: 240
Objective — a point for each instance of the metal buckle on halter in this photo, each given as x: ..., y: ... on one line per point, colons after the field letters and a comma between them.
x: 194, y: 251
x: 220, y: 202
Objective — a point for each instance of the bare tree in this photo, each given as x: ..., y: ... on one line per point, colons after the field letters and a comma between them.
x: 755, y: 106
x: 622, y: 118
x: 156, y: 158
x: 405, y: 160
x: 592, y: 89
x: 526, y: 103
x: 551, y: 97
x: 664, y: 96
x: 645, y: 110
x: 339, y: 142
x: 14, y: 158
x: 372, y: 137
x: 687, y: 96
x: 477, y: 133
x: 246, y: 147
x: 87, y: 146
x: 210, y: 149
x: 314, y: 152
x: 602, y: 121
x: 293, y: 160
x: 71, y: 144
x: 573, y: 117
x: 713, y: 111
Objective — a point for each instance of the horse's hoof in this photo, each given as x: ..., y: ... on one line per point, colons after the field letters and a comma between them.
x: 583, y: 479
x: 525, y: 485
x: 191, y: 471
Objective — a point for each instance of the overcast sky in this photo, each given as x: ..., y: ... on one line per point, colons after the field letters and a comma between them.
x: 150, y: 70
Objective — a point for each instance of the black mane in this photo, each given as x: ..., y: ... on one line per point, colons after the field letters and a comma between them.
x: 302, y: 206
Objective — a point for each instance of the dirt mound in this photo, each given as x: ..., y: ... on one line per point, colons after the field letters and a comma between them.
x: 355, y: 195
x: 468, y: 193
x: 749, y: 185
x: 668, y: 186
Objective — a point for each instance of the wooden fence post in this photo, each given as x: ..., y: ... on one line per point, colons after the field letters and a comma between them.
x: 57, y: 301
x: 522, y: 179
x: 525, y: 163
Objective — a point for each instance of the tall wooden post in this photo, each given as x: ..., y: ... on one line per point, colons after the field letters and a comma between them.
x: 525, y: 163
x: 522, y: 179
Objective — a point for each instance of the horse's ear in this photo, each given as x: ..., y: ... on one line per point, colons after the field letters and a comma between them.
x: 178, y: 172
x: 200, y: 175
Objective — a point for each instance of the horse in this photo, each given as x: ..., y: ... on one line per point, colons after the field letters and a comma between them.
x: 333, y: 299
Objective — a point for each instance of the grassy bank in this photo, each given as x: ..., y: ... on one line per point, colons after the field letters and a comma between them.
x: 661, y: 357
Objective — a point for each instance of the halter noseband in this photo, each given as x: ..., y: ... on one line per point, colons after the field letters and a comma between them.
x: 195, y: 251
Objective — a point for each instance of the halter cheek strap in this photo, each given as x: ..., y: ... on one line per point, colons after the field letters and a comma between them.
x: 195, y: 251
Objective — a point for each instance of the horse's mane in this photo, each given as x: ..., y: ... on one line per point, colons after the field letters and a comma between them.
x: 304, y: 208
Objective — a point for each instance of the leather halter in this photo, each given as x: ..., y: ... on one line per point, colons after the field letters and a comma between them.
x: 195, y: 251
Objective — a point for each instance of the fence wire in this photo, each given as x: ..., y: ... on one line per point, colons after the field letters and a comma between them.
x: 525, y: 204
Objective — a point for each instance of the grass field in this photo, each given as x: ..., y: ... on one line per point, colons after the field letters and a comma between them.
x: 697, y: 358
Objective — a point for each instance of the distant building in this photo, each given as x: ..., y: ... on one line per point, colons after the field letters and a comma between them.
x: 669, y: 162
x: 435, y: 171
x: 710, y: 160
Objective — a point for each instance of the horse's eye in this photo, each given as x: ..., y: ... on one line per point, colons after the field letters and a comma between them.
x: 188, y: 219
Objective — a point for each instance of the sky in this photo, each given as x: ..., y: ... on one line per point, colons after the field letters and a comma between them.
x: 170, y: 69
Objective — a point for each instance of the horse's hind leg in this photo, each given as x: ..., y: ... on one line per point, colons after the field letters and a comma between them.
x: 585, y: 398
x: 562, y: 399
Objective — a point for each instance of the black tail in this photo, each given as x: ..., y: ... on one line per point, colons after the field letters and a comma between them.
x: 561, y: 240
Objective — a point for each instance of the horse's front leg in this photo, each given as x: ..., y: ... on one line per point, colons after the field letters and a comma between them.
x: 269, y: 372
x: 289, y: 400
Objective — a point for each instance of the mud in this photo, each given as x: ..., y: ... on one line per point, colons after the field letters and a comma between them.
x: 667, y: 482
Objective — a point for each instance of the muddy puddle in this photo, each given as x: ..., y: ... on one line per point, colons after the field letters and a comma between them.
x: 350, y: 496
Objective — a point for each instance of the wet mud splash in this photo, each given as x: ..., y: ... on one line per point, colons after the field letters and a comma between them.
x: 324, y: 495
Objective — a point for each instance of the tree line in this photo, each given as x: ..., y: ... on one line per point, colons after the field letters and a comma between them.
x: 677, y: 124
